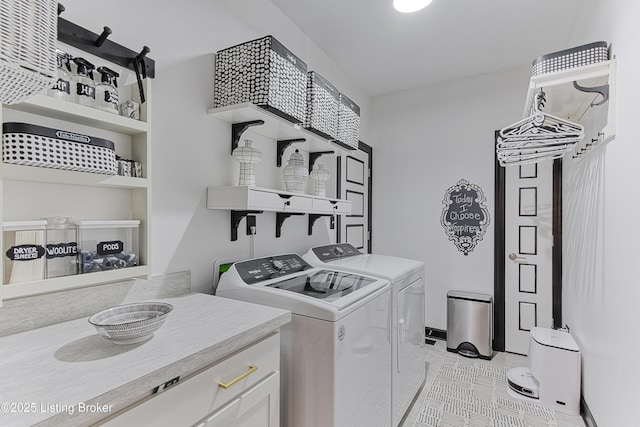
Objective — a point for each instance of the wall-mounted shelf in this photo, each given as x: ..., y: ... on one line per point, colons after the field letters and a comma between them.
x: 63, y: 110
x: 273, y: 127
x: 242, y: 199
x: 564, y: 100
x: 57, y: 176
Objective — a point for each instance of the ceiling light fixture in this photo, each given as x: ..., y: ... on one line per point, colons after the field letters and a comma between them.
x: 409, y: 6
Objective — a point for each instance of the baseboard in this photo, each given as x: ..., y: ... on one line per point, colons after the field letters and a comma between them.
x: 587, y: 416
x: 435, y: 333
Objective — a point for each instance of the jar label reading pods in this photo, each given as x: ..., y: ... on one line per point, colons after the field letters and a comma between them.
x: 110, y: 248
x: 61, y: 250
x: 25, y: 252
x: 86, y: 90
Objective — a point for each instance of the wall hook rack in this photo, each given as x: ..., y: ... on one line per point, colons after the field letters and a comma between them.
x: 236, y: 217
x: 280, y: 218
x: 99, y: 45
x: 314, y: 217
x: 282, y: 145
x: 237, y: 129
x: 602, y: 90
x: 313, y: 156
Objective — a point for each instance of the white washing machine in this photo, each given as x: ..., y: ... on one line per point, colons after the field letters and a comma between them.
x: 335, y: 353
x: 406, y: 277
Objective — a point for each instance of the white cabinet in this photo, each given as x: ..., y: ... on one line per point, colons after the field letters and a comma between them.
x: 241, y: 390
x: 29, y: 192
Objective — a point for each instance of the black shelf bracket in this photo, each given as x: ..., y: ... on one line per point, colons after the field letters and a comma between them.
x: 313, y: 156
x: 237, y: 129
x: 314, y: 217
x: 236, y: 217
x: 602, y: 90
x: 282, y: 145
x: 280, y: 218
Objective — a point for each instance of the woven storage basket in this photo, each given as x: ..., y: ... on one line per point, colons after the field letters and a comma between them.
x: 28, y: 34
x: 32, y: 145
x: 265, y: 73
x: 348, y: 123
x: 323, y: 103
x: 570, y: 58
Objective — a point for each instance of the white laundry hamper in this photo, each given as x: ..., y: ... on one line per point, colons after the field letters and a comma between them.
x: 28, y: 34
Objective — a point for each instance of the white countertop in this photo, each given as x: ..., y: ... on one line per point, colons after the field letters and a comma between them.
x: 56, y: 370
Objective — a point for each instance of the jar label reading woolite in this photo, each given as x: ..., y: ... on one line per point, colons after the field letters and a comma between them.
x: 61, y: 250
x: 86, y: 90
x: 465, y: 216
x: 25, y: 252
x: 110, y: 248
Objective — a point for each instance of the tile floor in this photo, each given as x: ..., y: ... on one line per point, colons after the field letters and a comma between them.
x: 421, y: 414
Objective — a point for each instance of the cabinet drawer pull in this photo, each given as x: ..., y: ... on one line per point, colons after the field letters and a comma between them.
x: 252, y: 369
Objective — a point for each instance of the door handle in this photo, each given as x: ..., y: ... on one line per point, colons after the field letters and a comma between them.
x: 514, y: 257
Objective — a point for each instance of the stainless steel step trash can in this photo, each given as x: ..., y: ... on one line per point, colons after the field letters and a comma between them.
x: 470, y: 324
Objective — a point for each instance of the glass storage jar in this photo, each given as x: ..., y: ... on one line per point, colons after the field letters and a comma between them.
x: 85, y: 89
x: 107, y: 90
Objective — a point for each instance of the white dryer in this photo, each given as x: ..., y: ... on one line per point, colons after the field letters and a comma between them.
x: 335, y: 353
x: 406, y: 277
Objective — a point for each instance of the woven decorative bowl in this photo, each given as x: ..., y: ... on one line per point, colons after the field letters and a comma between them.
x: 131, y: 323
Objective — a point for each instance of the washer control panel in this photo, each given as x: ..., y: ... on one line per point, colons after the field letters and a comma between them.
x: 261, y: 269
x: 335, y: 251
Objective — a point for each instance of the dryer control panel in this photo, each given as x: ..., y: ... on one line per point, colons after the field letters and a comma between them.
x: 335, y: 251
x: 261, y: 269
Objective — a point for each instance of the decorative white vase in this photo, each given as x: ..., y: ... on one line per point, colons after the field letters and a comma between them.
x: 320, y: 176
x: 295, y: 173
x: 248, y: 156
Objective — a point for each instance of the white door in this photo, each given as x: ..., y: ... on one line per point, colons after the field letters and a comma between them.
x: 355, y: 186
x: 528, y: 252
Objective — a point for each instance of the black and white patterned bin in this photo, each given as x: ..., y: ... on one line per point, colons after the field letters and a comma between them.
x: 265, y: 73
x: 323, y: 105
x: 348, y: 123
x: 33, y: 145
x: 570, y: 58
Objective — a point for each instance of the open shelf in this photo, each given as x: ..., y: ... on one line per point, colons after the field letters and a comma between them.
x: 58, y: 109
x: 275, y: 127
x: 564, y: 100
x: 58, y: 176
x: 17, y: 290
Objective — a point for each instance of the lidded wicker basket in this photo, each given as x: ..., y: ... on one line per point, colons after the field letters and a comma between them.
x: 28, y: 34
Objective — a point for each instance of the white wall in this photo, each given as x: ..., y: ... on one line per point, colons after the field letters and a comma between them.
x: 601, y: 289
x: 425, y: 141
x: 191, y: 149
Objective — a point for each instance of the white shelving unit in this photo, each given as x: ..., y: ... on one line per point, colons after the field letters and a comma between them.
x: 245, y: 200
x: 564, y: 100
x: 134, y: 139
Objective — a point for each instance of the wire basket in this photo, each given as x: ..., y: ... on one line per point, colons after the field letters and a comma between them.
x: 28, y: 34
x: 131, y: 323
